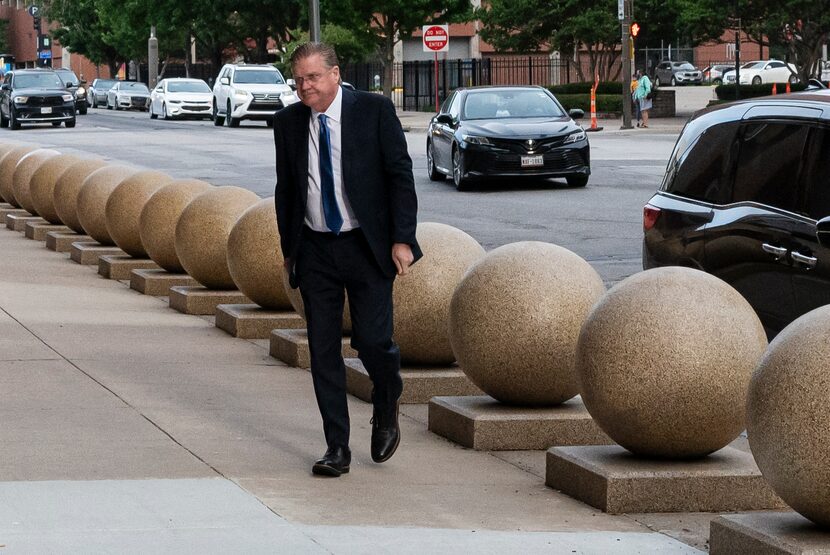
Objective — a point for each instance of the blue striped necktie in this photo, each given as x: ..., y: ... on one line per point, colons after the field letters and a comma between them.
x: 334, y: 220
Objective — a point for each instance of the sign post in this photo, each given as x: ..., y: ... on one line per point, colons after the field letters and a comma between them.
x: 436, y: 39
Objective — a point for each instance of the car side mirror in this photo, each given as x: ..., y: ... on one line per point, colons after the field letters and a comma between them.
x: 823, y: 232
x: 224, y: 81
x: 69, y: 85
x: 5, y: 87
x: 291, y: 83
x: 576, y: 113
x: 444, y: 118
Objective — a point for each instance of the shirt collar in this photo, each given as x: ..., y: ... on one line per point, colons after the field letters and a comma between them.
x: 334, y: 110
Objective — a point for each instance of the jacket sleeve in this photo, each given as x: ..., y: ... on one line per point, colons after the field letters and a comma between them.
x: 284, y: 191
x: 398, y: 173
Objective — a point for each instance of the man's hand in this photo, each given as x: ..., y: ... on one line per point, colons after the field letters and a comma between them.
x: 402, y: 257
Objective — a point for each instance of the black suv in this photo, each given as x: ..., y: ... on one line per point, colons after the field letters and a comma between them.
x: 746, y: 197
x: 35, y: 96
x: 76, y: 87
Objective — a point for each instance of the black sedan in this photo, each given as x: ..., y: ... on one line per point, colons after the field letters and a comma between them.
x: 506, y: 132
x: 35, y: 96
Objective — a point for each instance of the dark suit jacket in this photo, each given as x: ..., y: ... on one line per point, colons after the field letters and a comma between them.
x: 377, y: 174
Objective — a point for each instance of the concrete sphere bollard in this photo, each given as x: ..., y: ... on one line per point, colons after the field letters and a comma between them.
x: 788, y: 415
x: 93, y: 197
x: 664, y: 362
x: 67, y: 187
x: 22, y: 177
x: 203, y: 230
x: 7, y: 167
x: 422, y: 297
x: 158, y: 219
x: 123, y: 209
x: 42, y: 185
x: 296, y: 300
x: 255, y: 258
x: 515, y: 318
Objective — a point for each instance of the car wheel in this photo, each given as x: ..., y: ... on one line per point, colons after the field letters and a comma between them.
x: 673, y: 81
x: 432, y: 171
x: 756, y: 80
x: 793, y: 79
x: 717, y: 82
x: 229, y: 119
x: 153, y: 115
x: 218, y: 120
x: 108, y: 105
x: 461, y: 183
x: 56, y: 124
x: 13, y: 123
x: 578, y: 180
x: 164, y: 114
x: 70, y: 123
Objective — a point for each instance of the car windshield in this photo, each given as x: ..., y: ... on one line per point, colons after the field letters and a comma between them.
x: 510, y: 103
x: 754, y: 65
x: 135, y: 87
x: 188, y: 86
x: 38, y: 81
x: 258, y: 77
x: 104, y: 83
x: 69, y: 77
x: 684, y: 65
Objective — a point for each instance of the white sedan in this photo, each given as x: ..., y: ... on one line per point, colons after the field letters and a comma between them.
x: 126, y: 95
x: 770, y: 71
x: 178, y: 97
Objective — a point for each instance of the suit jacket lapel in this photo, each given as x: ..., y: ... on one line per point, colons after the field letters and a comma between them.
x: 347, y: 139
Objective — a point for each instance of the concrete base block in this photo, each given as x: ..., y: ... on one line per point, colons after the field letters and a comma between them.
x: 119, y: 266
x: 7, y: 209
x: 62, y: 241
x: 481, y: 422
x: 18, y: 222
x: 291, y: 347
x: 38, y: 231
x: 157, y: 282
x: 251, y: 321
x: 419, y: 384
x: 88, y: 253
x: 616, y: 481
x: 199, y: 300
x: 767, y: 534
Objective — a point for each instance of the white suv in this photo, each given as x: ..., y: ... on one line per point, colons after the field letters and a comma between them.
x: 254, y: 92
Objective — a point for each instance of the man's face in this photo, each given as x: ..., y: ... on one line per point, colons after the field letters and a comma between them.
x: 316, y: 84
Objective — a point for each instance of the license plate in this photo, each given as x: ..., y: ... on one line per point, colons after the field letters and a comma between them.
x: 532, y: 161
x: 46, y: 110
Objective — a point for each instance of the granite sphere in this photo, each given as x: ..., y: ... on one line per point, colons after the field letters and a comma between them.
x: 664, y: 362
x: 42, y: 185
x: 93, y: 197
x: 296, y: 300
x: 22, y: 178
x: 515, y: 318
x: 67, y: 187
x: 422, y: 297
x: 7, y: 166
x: 788, y: 415
x: 158, y: 219
x: 123, y: 209
x: 203, y: 230
x: 255, y: 258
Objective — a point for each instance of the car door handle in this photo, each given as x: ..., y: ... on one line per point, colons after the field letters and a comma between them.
x: 808, y: 261
x: 778, y: 252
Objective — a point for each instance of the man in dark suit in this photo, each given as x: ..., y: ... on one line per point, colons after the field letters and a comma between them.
x: 346, y: 209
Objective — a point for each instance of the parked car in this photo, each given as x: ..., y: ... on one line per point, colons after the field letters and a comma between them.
x: 677, y: 73
x: 714, y: 74
x: 824, y: 74
x: 128, y: 95
x: 766, y: 72
x: 249, y: 92
x: 76, y: 87
x: 179, y: 97
x: 486, y: 132
x: 729, y: 76
x: 97, y: 94
x: 745, y: 198
x: 35, y: 96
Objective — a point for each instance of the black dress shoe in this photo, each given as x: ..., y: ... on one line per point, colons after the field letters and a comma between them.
x: 334, y: 463
x: 386, y: 434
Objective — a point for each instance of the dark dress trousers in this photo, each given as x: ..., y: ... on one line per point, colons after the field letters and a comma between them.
x: 377, y: 180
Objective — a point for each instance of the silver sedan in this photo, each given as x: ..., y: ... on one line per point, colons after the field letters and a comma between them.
x: 127, y: 95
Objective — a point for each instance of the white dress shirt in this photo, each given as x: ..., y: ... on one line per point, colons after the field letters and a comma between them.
x: 314, y: 217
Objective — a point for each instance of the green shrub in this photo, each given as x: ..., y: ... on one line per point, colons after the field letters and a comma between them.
x: 605, y: 102
x: 727, y: 92
x: 604, y: 87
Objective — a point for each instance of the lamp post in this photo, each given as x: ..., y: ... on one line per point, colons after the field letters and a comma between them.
x: 737, y: 53
x: 314, y: 20
x: 624, y: 15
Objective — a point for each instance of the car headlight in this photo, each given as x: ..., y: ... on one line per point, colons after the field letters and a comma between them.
x: 476, y: 140
x: 21, y: 99
x: 575, y: 137
x: 287, y: 96
x: 241, y: 95
x: 67, y: 98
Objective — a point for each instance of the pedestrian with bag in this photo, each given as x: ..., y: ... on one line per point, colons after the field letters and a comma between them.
x: 644, y: 95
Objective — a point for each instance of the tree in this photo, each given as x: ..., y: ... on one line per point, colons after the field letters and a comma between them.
x: 351, y: 46
x: 81, y: 30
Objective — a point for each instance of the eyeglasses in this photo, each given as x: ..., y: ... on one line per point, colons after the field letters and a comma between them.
x: 312, y: 78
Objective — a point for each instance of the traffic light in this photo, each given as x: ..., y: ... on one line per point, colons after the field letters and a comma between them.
x: 37, y: 23
x: 635, y: 29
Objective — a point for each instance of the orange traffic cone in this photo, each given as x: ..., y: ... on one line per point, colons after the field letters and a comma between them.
x: 774, y: 89
x: 594, y: 126
x: 788, y: 86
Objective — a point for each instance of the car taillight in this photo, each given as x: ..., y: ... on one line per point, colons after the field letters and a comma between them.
x: 650, y: 215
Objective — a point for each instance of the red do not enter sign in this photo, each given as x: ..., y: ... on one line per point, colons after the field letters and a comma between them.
x: 436, y: 38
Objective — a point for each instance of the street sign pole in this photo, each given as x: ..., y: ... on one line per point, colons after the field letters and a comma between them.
x: 624, y: 14
x: 436, y: 38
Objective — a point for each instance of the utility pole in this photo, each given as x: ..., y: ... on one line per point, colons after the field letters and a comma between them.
x: 624, y: 15
x: 737, y: 52
x: 314, y: 20
x: 152, y: 59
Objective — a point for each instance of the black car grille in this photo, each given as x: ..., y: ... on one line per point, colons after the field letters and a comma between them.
x: 265, y: 106
x: 194, y: 108
x: 139, y: 101
x: 45, y: 101
x: 554, y: 161
x: 528, y: 145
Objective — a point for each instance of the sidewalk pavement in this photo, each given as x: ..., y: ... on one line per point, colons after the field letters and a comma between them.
x: 128, y: 427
